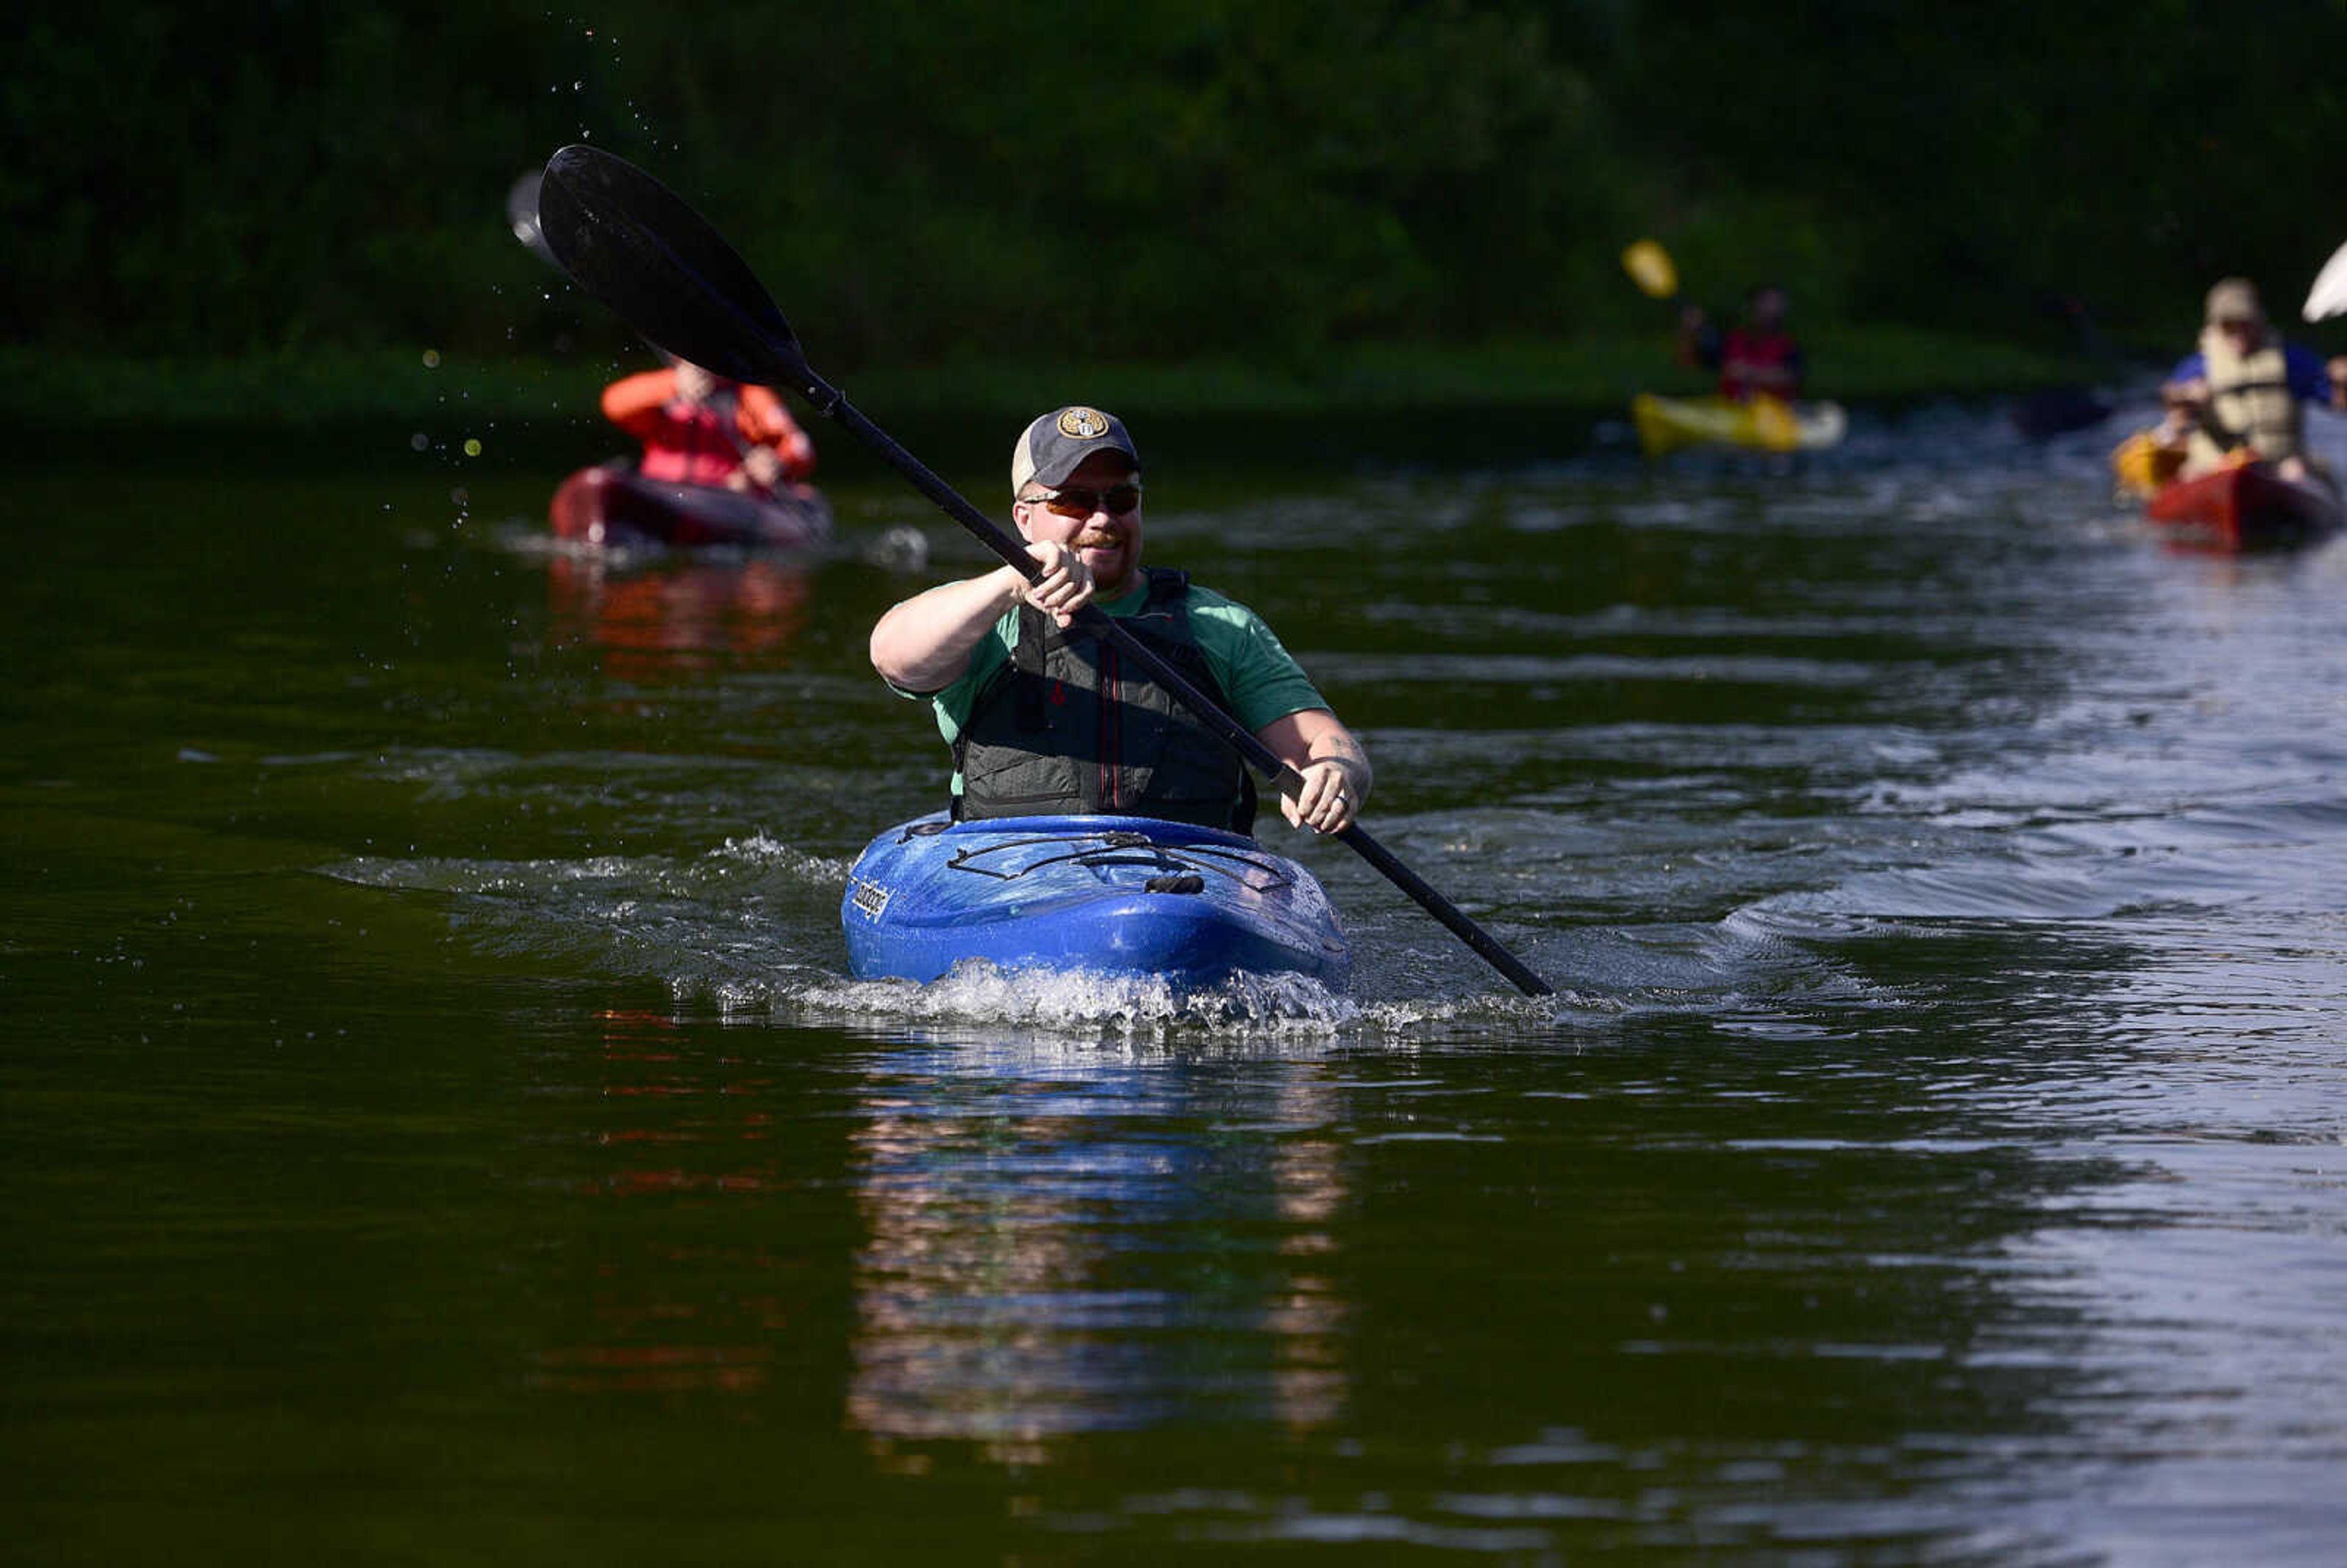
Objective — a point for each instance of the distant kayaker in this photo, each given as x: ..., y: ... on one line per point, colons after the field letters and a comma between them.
x: 1044, y: 718
x: 2243, y: 392
x: 699, y: 428
x: 1755, y: 357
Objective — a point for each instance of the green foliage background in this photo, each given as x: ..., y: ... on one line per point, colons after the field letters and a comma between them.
x: 1163, y: 179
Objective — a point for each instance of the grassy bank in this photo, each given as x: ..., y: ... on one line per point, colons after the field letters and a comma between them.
x: 533, y: 407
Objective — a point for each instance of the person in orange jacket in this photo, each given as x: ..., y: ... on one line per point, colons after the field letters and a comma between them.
x: 699, y: 428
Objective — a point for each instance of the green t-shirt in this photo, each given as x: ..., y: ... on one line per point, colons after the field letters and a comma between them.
x: 1259, y: 677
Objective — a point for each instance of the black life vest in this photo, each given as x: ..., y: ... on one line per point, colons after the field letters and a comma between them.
x: 1071, y: 726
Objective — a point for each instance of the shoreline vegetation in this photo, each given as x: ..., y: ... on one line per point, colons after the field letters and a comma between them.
x: 526, y: 405
x: 1348, y: 231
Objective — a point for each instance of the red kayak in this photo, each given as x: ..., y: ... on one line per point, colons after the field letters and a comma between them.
x: 2248, y: 508
x: 611, y: 503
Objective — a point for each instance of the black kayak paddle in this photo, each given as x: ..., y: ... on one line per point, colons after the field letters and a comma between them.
x: 632, y: 243
x: 521, y: 217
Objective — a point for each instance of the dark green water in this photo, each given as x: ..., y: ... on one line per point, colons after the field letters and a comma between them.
x: 439, y: 1129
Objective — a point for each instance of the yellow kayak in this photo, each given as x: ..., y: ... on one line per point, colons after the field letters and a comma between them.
x: 1763, y: 425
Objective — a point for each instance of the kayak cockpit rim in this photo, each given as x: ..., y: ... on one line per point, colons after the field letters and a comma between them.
x: 1113, y: 847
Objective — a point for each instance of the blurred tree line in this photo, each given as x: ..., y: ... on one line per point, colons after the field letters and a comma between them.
x: 930, y: 179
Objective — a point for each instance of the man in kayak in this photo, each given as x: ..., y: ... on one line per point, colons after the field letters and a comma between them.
x: 1756, y: 358
x: 699, y: 428
x: 1045, y: 718
x: 2242, y: 394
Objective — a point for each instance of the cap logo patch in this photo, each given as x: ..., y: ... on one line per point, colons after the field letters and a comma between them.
x: 1084, y: 424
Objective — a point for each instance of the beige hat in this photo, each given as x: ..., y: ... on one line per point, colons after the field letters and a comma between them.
x: 2234, y: 299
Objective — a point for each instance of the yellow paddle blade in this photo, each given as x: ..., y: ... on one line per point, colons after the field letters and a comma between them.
x: 2142, y: 464
x: 2131, y: 463
x: 1649, y: 266
x: 1774, y: 426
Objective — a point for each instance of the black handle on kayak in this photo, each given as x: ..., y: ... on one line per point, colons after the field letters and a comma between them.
x: 632, y: 243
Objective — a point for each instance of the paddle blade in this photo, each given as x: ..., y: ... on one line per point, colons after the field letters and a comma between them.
x: 2329, y: 295
x: 2142, y: 464
x: 632, y: 243
x: 1649, y: 266
x: 1774, y: 426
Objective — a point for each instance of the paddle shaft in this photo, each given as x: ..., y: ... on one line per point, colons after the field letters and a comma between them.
x: 728, y: 409
x: 833, y: 404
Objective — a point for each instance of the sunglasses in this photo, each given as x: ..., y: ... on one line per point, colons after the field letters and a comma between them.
x: 1116, y: 500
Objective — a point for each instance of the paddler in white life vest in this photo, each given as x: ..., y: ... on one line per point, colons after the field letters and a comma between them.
x: 1045, y: 718
x: 2239, y: 398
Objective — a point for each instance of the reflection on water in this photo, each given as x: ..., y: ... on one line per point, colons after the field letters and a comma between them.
x: 1016, y: 1289
x: 653, y: 1328
x: 671, y: 621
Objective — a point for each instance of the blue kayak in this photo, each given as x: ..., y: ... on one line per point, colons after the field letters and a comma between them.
x: 1107, y: 894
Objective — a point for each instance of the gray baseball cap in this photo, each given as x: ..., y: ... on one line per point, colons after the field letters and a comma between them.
x: 1049, y: 449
